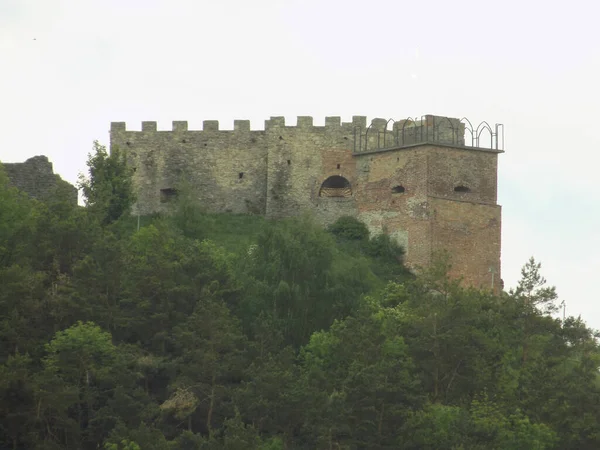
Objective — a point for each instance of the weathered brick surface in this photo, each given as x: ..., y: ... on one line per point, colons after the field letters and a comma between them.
x: 475, y: 169
x: 404, y: 215
x: 405, y: 190
x: 36, y: 177
x: 470, y: 232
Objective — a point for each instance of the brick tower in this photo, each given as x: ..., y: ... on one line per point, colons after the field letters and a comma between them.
x: 424, y: 186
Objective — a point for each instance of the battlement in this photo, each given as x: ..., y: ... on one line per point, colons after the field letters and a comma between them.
x: 302, y: 122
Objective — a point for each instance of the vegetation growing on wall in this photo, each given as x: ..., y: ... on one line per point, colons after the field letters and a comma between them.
x: 232, y: 332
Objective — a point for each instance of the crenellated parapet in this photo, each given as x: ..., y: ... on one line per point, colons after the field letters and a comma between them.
x: 302, y: 122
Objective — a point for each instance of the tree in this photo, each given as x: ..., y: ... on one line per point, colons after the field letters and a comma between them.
x: 211, y: 359
x: 490, y: 427
x: 18, y: 215
x: 359, y: 381
x: 535, y: 298
x: 434, y: 427
x: 16, y: 392
x: 108, y: 188
x: 270, y: 397
x: 452, y: 333
x: 70, y: 387
x: 298, y: 276
x: 533, y: 291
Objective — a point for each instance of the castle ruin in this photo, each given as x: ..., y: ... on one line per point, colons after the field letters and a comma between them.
x: 430, y: 183
x: 36, y: 177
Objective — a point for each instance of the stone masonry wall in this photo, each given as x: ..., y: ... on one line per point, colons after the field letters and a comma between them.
x: 226, y: 170
x: 36, y: 177
x: 300, y: 158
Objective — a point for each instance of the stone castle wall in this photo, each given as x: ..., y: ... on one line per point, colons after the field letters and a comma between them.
x: 415, y: 180
x: 36, y: 177
x: 226, y: 169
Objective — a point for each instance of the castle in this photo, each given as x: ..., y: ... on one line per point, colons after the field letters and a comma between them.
x: 418, y: 180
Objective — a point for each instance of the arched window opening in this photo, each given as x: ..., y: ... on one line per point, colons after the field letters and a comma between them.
x: 335, y: 186
x: 398, y: 190
x: 462, y: 189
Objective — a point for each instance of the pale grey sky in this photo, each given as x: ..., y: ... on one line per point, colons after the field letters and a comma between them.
x: 70, y: 67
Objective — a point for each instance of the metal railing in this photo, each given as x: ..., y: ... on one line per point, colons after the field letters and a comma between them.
x: 428, y: 129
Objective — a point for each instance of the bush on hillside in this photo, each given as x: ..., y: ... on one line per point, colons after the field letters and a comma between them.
x: 349, y: 228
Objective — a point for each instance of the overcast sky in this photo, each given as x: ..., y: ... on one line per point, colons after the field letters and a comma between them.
x: 68, y: 68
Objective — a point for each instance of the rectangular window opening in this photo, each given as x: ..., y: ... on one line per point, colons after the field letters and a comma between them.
x: 168, y: 195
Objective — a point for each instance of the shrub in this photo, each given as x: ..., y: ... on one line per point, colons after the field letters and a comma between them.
x: 349, y: 228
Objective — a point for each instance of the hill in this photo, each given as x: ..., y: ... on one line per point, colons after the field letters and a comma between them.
x: 197, y: 331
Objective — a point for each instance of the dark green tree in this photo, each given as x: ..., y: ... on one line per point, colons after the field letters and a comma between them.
x: 359, y: 381
x: 71, y: 387
x: 210, y: 366
x: 107, y: 189
x: 299, y: 277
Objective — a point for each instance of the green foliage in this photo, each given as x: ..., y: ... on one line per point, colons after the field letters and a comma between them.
x: 18, y: 214
x: 435, y: 427
x: 382, y: 246
x: 200, y: 331
x: 239, y: 436
x: 79, y: 352
x: 299, y: 278
x: 235, y: 232
x: 143, y: 437
x: 188, y: 215
x: 360, y: 381
x: 107, y: 189
x: 515, y: 431
x: 349, y: 228
x: 532, y: 290
x: 125, y: 444
x: 383, y: 252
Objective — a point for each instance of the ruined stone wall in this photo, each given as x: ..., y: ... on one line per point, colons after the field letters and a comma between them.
x: 36, y: 177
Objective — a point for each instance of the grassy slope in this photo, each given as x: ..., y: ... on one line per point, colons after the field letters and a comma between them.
x: 236, y: 232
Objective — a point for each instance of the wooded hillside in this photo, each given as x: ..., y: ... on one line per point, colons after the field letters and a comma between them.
x: 198, y: 331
